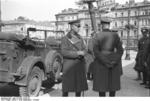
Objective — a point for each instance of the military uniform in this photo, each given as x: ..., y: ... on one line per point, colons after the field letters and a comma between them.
x: 107, y: 67
x: 139, y: 58
x: 146, y: 59
x: 74, y: 76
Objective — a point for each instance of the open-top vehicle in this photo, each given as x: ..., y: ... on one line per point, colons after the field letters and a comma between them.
x: 28, y: 61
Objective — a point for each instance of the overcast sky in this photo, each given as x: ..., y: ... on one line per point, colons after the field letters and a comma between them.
x: 39, y: 10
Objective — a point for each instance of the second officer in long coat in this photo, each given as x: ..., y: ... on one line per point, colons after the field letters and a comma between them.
x: 139, y: 66
x: 107, y: 67
x: 73, y: 51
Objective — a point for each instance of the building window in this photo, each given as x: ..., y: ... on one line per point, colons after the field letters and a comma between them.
x: 135, y: 23
x: 135, y: 13
x: 121, y: 23
x: 115, y: 24
x: 116, y: 14
x: 121, y: 33
x: 122, y: 14
x: 146, y: 12
x: 142, y: 22
x: 68, y: 18
x: 148, y: 21
x: 86, y: 15
x: 62, y: 19
x: 143, y: 13
x: 135, y: 34
x: 72, y: 17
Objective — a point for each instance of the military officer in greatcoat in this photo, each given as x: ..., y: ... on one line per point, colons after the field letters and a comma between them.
x: 139, y: 66
x: 107, y: 68
x: 146, y: 60
x: 73, y: 50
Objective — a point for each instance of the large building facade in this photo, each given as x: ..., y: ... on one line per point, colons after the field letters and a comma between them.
x: 67, y: 15
x: 106, y: 5
x: 20, y: 27
x: 136, y: 14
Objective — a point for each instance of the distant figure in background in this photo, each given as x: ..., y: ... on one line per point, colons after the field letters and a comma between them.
x: 90, y: 58
x: 107, y: 66
x: 139, y: 66
x: 73, y: 51
x: 146, y: 60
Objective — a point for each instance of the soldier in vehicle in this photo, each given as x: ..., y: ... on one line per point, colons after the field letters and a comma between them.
x: 73, y: 51
x: 107, y: 68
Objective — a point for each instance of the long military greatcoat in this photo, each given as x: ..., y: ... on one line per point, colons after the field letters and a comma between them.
x: 107, y: 67
x: 74, y: 77
x: 139, y: 66
x: 146, y: 56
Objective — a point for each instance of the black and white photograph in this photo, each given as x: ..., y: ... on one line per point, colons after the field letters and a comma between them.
x: 74, y: 48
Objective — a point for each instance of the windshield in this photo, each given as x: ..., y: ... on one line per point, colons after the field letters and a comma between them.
x: 40, y: 35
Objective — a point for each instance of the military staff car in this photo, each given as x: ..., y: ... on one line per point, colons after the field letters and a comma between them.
x: 28, y: 61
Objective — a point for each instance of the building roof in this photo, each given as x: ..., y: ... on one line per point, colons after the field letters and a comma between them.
x: 134, y: 5
x: 68, y: 11
x: 16, y: 22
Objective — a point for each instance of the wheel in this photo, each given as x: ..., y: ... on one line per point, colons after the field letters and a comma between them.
x: 34, y: 83
x: 57, y: 66
x: 54, y: 62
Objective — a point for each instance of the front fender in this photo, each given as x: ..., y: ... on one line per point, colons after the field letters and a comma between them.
x: 26, y: 67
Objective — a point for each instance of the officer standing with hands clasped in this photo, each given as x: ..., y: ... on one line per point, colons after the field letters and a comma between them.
x: 107, y: 66
x: 73, y: 51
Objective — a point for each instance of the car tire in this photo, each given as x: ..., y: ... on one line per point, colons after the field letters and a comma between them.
x: 34, y: 83
x: 54, y: 61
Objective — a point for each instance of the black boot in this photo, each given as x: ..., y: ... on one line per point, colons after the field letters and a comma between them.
x: 78, y: 94
x: 112, y: 93
x: 102, y: 94
x: 65, y: 94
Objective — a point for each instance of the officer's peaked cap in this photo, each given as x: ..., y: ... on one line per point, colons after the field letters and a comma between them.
x: 105, y: 21
x: 74, y: 22
x: 144, y: 29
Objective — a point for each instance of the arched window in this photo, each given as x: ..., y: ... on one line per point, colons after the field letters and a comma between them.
x: 115, y: 24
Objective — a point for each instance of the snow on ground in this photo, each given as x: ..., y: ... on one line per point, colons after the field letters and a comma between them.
x: 132, y: 58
